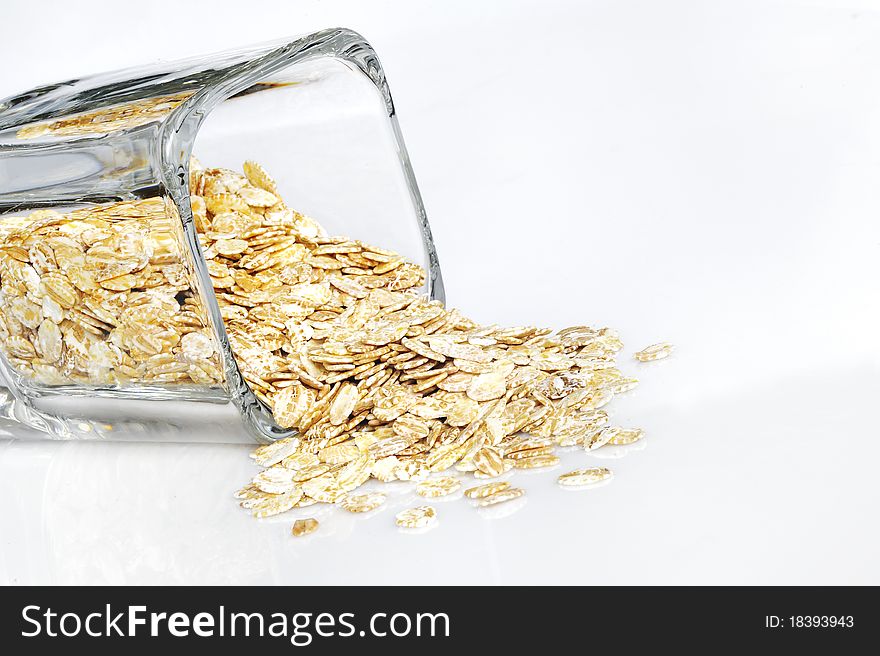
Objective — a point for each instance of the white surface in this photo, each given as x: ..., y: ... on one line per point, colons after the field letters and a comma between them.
x: 706, y: 173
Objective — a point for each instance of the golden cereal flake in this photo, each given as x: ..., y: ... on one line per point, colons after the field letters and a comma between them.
x: 654, y: 352
x: 291, y: 403
x: 52, y: 310
x: 584, y: 477
x: 529, y: 453
x: 299, y: 461
x: 323, y: 488
x: 120, y: 283
x: 419, y: 347
x: 443, y: 457
x: 29, y: 314
x: 506, y: 494
x: 256, y: 197
x: 48, y: 343
x: 362, y: 503
x: 59, y: 288
x: 305, y: 526
x: 627, y: 436
x: 339, y: 453
x: 276, y: 504
x: 275, y: 480
x: 534, y: 462
x: 349, y: 286
x: 438, y: 487
x: 507, y: 466
x: 249, y: 491
x: 410, y: 427
x: 486, y: 490
x: 343, y: 403
x: 258, y: 176
x: 450, y: 348
x: 457, y: 382
x: 418, y: 517
x: 489, y: 461
x: 230, y: 246
x: 386, y: 469
x: 462, y: 411
x: 305, y: 502
x: 309, y: 472
x: 268, y: 455
x: 601, y: 437
x: 487, y: 386
x: 355, y: 473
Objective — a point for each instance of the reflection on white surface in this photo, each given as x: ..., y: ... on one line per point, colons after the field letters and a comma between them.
x: 502, y: 510
x: 710, y: 179
x: 613, y: 452
x: 770, y: 485
x: 131, y: 420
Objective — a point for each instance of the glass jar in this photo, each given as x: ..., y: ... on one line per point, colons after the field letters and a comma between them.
x: 109, y: 318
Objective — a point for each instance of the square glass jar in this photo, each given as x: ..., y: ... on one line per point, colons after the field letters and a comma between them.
x: 110, y: 324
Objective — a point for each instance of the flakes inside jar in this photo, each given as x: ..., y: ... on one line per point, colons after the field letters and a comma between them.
x: 98, y: 293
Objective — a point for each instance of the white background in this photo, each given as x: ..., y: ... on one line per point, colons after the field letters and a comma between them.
x: 702, y: 172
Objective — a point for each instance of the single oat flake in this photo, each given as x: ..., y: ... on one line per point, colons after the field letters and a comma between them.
x: 507, y: 494
x: 486, y: 490
x: 488, y: 461
x: 418, y: 517
x: 438, y: 487
x: 275, y: 504
x: 654, y: 352
x: 627, y: 436
x: 535, y: 462
x: 303, y: 527
x: 584, y: 477
x: 362, y: 503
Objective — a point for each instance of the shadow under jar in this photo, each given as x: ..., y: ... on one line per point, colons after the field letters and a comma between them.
x: 112, y: 322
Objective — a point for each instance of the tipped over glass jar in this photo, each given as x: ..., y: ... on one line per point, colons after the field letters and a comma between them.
x: 144, y: 296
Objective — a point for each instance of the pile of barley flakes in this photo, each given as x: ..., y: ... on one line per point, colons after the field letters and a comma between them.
x: 330, y: 332
x: 381, y: 382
